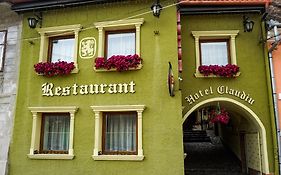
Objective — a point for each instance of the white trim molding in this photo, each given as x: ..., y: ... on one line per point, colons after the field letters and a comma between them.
x: 48, y: 32
x: 50, y: 156
x: 36, y: 131
x: 98, y: 110
x: 118, y: 157
x: 118, y: 25
x: 220, y: 34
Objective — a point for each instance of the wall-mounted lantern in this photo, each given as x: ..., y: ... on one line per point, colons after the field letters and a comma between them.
x: 33, y: 21
x: 248, y: 24
x: 156, y: 8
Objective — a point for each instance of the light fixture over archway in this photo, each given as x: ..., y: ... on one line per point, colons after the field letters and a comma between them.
x: 156, y: 8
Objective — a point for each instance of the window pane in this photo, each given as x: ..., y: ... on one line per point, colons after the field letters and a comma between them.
x: 1, y: 56
x: 62, y: 50
x: 120, y: 44
x: 214, y: 53
x: 120, y: 132
x: 2, y: 37
x: 56, y: 132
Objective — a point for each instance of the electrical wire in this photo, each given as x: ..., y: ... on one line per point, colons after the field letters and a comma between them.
x: 92, y: 27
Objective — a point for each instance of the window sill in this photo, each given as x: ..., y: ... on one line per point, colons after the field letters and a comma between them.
x: 75, y: 70
x: 115, y: 70
x: 118, y: 157
x: 51, y: 156
x: 199, y: 75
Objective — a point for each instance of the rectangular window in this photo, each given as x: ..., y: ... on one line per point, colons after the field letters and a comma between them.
x: 120, y: 43
x: 55, y: 133
x: 120, y: 133
x: 61, y: 48
x: 3, y: 38
x: 214, y: 52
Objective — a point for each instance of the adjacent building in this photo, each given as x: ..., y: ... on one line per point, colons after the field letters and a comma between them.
x: 10, y: 30
x: 273, y: 41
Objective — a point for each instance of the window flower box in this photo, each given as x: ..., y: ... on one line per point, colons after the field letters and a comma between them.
x: 118, y: 62
x: 50, y: 69
x: 229, y: 70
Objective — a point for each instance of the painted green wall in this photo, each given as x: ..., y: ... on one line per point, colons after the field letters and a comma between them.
x: 250, y: 59
x: 162, y: 127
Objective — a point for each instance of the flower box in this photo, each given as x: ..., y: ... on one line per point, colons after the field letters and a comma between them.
x: 229, y: 70
x: 118, y: 63
x: 50, y: 69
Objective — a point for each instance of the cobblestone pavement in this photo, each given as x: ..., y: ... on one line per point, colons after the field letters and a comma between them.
x: 205, y: 158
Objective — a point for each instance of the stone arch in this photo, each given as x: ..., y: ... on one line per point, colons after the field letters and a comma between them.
x: 253, y: 118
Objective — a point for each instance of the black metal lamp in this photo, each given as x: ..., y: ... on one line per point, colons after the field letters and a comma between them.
x: 33, y: 21
x: 248, y: 24
x: 156, y: 9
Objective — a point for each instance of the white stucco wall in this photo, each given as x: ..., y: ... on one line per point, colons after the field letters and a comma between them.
x: 11, y: 22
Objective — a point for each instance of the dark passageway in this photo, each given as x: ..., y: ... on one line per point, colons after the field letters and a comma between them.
x: 206, y: 158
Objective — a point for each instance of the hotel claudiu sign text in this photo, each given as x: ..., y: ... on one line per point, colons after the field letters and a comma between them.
x: 221, y: 90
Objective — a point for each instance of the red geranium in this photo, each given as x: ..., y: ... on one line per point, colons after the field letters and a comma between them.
x: 229, y: 70
x: 50, y: 69
x: 119, y: 62
x: 219, y: 116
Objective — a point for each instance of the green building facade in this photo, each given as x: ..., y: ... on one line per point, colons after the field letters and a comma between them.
x: 92, y: 105
x: 247, y: 97
x: 145, y: 93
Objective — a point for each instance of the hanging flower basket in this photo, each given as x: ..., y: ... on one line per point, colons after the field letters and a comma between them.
x: 229, y: 70
x: 118, y: 62
x: 219, y: 116
x: 50, y: 69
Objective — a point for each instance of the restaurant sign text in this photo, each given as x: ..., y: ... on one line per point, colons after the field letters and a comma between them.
x: 49, y: 89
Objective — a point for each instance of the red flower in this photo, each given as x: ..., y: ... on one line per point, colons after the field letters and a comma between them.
x: 229, y: 70
x: 120, y: 62
x: 50, y: 69
x: 219, y: 117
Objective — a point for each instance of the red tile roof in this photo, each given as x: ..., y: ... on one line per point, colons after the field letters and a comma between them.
x: 225, y: 2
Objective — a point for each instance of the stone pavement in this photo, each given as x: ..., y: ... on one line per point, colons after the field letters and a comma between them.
x: 205, y: 158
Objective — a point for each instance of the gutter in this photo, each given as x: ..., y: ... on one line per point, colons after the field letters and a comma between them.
x: 54, y: 4
x: 274, y: 24
x: 225, y: 2
x: 191, y: 7
x: 197, y: 10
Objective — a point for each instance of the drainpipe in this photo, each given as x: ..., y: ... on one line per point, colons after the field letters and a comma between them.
x: 273, y: 85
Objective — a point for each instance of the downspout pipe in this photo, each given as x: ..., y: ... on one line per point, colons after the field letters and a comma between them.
x: 273, y: 85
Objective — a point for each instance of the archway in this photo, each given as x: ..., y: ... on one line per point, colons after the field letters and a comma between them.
x: 249, y: 115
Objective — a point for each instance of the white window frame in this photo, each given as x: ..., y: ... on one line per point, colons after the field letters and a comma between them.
x: 48, y: 32
x: 220, y: 34
x: 36, y: 131
x: 118, y: 25
x: 98, y: 111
